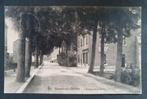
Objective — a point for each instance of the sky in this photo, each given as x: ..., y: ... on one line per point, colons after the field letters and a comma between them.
x: 11, y: 34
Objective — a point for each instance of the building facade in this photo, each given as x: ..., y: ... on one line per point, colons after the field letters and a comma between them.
x: 84, y: 45
x: 84, y: 48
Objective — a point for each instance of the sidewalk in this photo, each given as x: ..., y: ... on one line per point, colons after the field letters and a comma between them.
x: 10, y: 84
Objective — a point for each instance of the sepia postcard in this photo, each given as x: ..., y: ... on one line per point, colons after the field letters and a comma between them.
x: 72, y: 50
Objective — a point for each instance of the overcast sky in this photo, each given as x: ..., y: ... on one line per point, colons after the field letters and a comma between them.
x: 11, y: 34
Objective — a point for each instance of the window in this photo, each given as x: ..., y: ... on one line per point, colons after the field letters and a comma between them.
x: 81, y: 42
x: 86, y: 39
x: 78, y: 59
x: 78, y: 44
x: 85, y: 58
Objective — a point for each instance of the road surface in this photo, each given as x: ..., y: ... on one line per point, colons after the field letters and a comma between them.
x: 52, y: 78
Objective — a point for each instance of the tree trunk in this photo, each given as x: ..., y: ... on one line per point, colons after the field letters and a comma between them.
x: 102, y: 51
x: 59, y: 50
x: 41, y: 57
x: 67, y: 57
x: 94, y: 39
x: 119, y: 56
x: 21, y: 59
x: 36, y: 58
x: 28, y: 56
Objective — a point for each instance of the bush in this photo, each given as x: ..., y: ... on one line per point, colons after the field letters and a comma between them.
x: 72, y: 61
x: 130, y: 76
x: 63, y: 60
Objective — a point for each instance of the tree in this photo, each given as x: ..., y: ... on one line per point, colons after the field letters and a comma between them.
x: 29, y: 26
x: 21, y: 59
x: 103, y: 20
x: 54, y: 26
x: 115, y: 24
x: 48, y: 27
x: 28, y: 57
x: 121, y: 21
x: 91, y: 18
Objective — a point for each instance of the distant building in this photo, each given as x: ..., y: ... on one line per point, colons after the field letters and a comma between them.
x: 84, y: 45
x: 15, y: 50
x: 84, y: 48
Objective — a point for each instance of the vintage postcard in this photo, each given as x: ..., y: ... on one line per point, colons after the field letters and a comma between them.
x: 72, y: 50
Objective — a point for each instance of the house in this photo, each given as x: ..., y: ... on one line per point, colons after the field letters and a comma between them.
x: 84, y: 48
x: 84, y: 44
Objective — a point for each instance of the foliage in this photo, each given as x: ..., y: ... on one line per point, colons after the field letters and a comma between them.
x: 59, y: 21
x: 54, y: 26
x: 63, y: 60
x: 130, y: 76
x: 110, y: 17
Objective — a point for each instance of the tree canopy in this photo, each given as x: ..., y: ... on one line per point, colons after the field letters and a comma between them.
x: 54, y: 24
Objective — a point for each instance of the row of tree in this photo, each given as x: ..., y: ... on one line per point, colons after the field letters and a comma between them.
x: 113, y: 25
x: 48, y: 27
